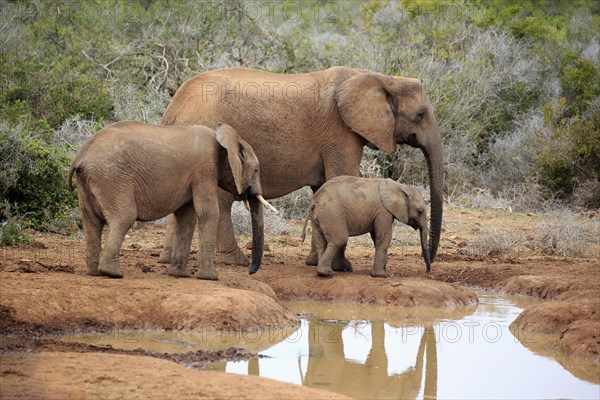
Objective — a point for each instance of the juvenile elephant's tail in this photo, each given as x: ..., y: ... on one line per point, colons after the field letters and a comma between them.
x: 73, y: 168
x: 308, y: 212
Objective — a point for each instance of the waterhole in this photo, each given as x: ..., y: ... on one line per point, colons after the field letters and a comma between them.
x: 370, y: 352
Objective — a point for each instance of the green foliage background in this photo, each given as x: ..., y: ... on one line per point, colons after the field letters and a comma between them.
x: 515, y: 84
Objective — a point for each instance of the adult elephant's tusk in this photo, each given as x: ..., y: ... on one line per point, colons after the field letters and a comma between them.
x: 246, y: 205
x: 266, y: 203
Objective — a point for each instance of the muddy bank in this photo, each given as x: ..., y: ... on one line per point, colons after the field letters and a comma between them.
x: 63, y: 301
x: 569, y: 320
x: 114, y: 376
x: 301, y: 283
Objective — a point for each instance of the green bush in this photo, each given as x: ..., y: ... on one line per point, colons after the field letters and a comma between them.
x: 33, y: 178
x: 579, y: 81
x: 11, y: 230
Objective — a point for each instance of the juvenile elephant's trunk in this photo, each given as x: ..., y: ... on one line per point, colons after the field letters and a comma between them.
x: 425, y: 247
x: 258, y: 233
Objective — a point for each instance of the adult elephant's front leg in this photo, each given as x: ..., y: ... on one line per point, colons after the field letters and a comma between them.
x: 228, y: 251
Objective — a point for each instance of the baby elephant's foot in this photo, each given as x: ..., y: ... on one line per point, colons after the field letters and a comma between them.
x: 342, y: 266
x: 110, y: 269
x: 324, y: 271
x: 380, y: 273
x: 208, y: 274
x: 178, y: 271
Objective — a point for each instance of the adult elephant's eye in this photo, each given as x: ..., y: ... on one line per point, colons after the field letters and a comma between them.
x: 420, y: 116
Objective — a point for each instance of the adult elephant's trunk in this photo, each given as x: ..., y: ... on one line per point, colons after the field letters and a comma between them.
x: 425, y: 247
x: 435, y: 166
x: 258, y: 233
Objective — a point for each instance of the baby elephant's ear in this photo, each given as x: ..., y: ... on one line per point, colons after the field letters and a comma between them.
x: 228, y: 138
x: 394, y: 199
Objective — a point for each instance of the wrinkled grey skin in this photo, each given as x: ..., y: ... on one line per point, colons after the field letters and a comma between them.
x: 308, y: 128
x: 131, y: 171
x: 350, y: 206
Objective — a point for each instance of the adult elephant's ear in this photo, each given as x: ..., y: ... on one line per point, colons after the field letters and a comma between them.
x: 394, y: 199
x: 364, y: 105
x: 228, y: 138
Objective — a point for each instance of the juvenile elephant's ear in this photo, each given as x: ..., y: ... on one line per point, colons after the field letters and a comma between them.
x: 228, y: 138
x: 364, y: 106
x: 394, y: 199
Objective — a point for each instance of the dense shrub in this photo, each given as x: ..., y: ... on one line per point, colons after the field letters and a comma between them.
x: 514, y: 84
x: 33, y: 177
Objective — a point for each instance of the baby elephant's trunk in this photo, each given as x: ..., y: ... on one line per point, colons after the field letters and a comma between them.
x: 425, y: 247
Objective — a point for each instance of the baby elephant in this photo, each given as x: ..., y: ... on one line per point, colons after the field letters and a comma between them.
x: 350, y: 206
x: 131, y: 171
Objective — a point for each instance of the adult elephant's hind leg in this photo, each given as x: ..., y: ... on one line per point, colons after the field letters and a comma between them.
x: 313, y: 255
x: 165, y: 254
x: 228, y: 249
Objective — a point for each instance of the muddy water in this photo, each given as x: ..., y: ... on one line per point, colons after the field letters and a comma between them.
x: 369, y: 352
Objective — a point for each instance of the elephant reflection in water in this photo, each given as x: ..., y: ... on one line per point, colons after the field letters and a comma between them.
x: 328, y: 369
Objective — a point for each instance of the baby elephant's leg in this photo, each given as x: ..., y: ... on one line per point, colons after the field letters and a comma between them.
x: 381, y: 238
x: 336, y: 238
x: 340, y: 262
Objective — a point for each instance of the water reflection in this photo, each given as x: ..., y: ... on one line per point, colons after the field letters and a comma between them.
x: 406, y: 354
x: 329, y: 367
x: 376, y: 352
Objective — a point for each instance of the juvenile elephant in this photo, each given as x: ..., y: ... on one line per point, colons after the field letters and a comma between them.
x: 350, y: 206
x: 308, y: 128
x: 131, y: 171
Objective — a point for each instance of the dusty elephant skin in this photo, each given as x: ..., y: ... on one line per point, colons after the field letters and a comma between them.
x: 351, y: 206
x: 309, y: 128
x: 130, y: 171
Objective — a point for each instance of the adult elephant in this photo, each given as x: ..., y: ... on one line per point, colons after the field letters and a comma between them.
x: 308, y: 128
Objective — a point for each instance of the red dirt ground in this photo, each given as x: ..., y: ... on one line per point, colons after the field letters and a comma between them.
x: 44, y: 290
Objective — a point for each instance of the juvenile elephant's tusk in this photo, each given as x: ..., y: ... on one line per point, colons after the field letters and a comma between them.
x: 246, y: 205
x: 266, y: 203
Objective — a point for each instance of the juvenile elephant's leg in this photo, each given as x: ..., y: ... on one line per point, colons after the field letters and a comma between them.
x: 92, y: 229
x: 229, y: 251
x: 186, y: 221
x: 208, y: 219
x: 340, y: 262
x: 109, y: 259
x: 166, y: 253
x: 382, y: 239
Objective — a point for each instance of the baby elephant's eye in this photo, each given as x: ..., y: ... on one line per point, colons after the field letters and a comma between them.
x: 420, y: 116
x: 421, y: 210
